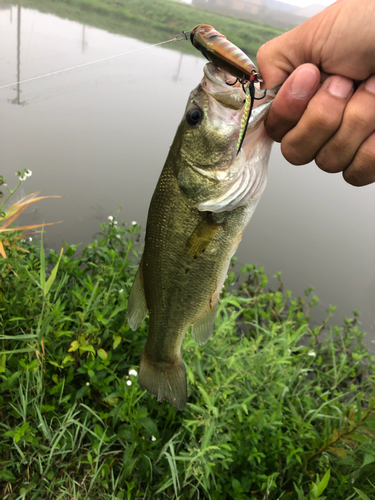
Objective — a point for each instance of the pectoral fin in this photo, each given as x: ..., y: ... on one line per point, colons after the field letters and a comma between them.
x: 202, y: 237
x: 203, y: 328
x: 137, y: 306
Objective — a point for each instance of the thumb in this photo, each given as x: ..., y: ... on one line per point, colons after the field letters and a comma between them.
x: 291, y: 101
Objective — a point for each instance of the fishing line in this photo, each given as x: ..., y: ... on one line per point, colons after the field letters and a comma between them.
x: 86, y: 64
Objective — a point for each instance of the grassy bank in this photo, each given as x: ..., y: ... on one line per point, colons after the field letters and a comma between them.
x: 274, y: 411
x: 154, y: 21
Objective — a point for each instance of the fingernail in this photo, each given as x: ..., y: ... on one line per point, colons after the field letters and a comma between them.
x: 304, y: 83
x: 370, y: 84
x: 339, y: 86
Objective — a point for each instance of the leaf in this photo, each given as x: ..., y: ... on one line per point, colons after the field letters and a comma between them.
x: 116, y: 341
x: 98, y: 430
x: 7, y: 475
x: 324, y: 482
x: 20, y: 205
x: 68, y: 358
x: 3, y: 359
x: 118, y: 310
x: 149, y: 425
x: 82, y: 392
x: 52, y: 278
x: 361, y: 494
x: 2, y: 250
x: 84, y: 348
x: 300, y: 493
x: 102, y: 354
x: 360, y: 438
x: 338, y: 451
x: 54, y: 364
x: 74, y: 346
x: 368, y: 459
x: 42, y: 263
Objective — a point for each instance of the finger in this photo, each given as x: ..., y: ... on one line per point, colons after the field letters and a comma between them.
x: 292, y: 100
x: 362, y: 169
x: 278, y: 58
x: 319, y: 122
x: 357, y: 125
x: 280, y: 68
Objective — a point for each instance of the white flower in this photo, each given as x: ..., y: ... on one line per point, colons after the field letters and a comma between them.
x: 30, y: 238
x: 312, y: 353
x: 115, y: 222
x: 22, y: 177
x: 28, y: 173
x: 118, y: 236
x: 153, y: 438
x: 110, y: 218
x: 120, y: 291
x: 87, y: 383
x: 134, y: 222
x: 133, y: 372
x: 128, y: 382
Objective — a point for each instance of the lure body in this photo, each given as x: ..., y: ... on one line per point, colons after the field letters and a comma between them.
x: 217, y: 49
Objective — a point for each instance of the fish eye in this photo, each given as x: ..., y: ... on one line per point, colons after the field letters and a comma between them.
x: 194, y: 116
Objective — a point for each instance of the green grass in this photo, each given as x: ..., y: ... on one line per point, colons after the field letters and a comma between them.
x: 154, y: 21
x: 277, y: 409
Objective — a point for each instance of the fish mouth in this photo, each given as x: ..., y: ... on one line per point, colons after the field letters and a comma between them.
x: 220, y: 77
x: 216, y: 75
x: 218, y: 84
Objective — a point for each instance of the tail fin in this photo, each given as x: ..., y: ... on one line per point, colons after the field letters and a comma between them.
x: 164, y: 380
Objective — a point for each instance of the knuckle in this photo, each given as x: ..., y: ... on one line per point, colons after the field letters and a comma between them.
x: 327, y: 162
x: 292, y: 152
x: 356, y: 121
x: 366, y: 154
x: 353, y: 175
x: 323, y: 121
x: 362, y: 170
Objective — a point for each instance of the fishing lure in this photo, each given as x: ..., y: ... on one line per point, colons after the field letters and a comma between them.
x: 217, y: 49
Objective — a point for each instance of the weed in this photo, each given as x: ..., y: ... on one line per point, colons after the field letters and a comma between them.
x: 276, y: 409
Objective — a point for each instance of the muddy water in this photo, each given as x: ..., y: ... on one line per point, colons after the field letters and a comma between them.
x: 99, y: 136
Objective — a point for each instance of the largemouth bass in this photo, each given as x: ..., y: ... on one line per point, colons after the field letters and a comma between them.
x: 204, y: 199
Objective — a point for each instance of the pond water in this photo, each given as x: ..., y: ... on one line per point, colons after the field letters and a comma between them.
x: 99, y: 136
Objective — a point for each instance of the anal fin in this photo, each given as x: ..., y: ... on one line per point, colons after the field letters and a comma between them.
x: 137, y: 306
x: 203, y: 328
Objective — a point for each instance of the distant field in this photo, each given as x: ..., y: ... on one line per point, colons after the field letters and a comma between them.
x: 155, y: 20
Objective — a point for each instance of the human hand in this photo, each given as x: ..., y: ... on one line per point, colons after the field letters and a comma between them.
x: 317, y: 114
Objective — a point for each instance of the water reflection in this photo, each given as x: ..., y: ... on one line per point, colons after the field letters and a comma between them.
x: 17, y: 100
x: 99, y: 136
